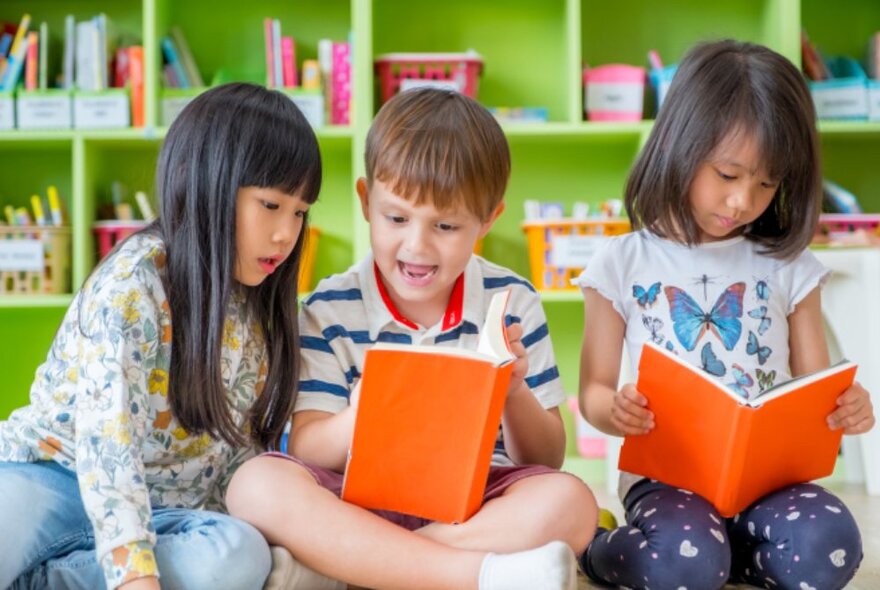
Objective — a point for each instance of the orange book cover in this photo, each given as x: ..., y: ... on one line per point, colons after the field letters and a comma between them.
x: 729, y: 450
x: 426, y: 424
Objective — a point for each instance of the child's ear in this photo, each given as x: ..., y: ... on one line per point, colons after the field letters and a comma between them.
x: 487, y: 225
x: 364, y: 196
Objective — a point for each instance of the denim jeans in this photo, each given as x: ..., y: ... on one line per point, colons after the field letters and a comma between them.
x: 47, y: 541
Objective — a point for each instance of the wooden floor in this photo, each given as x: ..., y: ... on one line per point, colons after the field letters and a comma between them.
x: 866, y: 510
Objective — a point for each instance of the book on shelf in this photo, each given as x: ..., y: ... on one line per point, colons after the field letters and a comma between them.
x: 426, y: 424
x: 728, y: 449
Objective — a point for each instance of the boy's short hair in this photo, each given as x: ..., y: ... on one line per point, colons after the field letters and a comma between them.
x: 439, y: 147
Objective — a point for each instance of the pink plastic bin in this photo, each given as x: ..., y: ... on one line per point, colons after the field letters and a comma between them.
x: 614, y: 92
x: 460, y: 69
x: 109, y: 233
x: 591, y: 443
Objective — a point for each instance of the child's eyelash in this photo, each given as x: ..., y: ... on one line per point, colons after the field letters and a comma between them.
x: 269, y: 205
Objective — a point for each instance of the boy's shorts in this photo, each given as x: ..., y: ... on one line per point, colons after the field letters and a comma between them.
x: 500, y: 478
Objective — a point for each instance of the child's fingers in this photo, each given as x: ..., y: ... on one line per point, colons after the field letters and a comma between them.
x: 860, y: 427
x: 851, y: 414
x: 514, y: 333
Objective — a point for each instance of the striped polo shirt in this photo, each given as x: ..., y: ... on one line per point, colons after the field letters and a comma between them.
x: 349, y: 312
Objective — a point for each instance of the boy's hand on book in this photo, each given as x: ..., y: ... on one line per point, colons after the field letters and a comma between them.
x: 629, y: 412
x: 521, y: 364
x: 855, y: 413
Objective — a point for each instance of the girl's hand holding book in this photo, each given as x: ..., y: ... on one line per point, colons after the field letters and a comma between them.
x: 855, y: 413
x: 629, y: 412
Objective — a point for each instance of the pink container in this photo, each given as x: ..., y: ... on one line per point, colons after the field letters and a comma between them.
x: 109, y: 233
x: 591, y: 443
x: 614, y: 92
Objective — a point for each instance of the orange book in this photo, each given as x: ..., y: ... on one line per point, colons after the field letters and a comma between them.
x: 729, y: 450
x: 136, y: 79
x: 426, y: 424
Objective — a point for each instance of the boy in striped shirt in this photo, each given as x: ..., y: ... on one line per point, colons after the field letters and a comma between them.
x: 437, y: 167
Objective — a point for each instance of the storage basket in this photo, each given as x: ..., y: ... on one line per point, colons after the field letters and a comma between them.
x: 560, y: 248
x: 34, y: 260
x: 460, y: 71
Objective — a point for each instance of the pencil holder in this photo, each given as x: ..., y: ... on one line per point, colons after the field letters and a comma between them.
x: 559, y: 249
x: 660, y: 80
x: 614, y: 92
x: 307, y: 264
x: 7, y: 111
x: 402, y: 71
x: 111, y: 232
x: 34, y: 260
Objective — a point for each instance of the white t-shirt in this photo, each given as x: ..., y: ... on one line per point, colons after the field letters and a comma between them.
x: 721, y: 306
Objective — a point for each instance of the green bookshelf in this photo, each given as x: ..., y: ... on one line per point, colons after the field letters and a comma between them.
x: 533, y: 54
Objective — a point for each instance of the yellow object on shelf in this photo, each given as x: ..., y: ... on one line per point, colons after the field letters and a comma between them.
x: 307, y: 264
x: 559, y: 248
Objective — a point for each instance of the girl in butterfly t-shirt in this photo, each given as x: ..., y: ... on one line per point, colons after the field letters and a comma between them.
x: 725, y: 197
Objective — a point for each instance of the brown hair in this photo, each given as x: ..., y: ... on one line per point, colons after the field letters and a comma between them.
x: 722, y: 88
x: 440, y: 147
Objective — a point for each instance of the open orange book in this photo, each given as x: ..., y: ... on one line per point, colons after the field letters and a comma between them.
x: 729, y: 450
x: 426, y: 424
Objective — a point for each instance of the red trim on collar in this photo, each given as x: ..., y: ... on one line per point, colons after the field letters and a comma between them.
x: 390, y: 304
x: 454, y: 308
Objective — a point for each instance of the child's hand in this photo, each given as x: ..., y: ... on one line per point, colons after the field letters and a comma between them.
x: 521, y: 364
x: 855, y: 413
x: 629, y: 413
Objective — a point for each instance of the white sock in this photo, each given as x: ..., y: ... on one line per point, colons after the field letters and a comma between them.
x: 549, y: 567
x: 289, y: 574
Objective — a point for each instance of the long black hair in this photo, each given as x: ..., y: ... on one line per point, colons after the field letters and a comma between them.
x: 232, y: 136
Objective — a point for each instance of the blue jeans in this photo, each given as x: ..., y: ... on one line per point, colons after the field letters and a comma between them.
x: 47, y: 541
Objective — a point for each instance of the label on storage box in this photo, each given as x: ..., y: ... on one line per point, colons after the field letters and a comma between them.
x: 615, y: 96
x: 101, y: 111
x: 574, y: 251
x: 7, y: 112
x: 42, y: 111
x: 21, y: 255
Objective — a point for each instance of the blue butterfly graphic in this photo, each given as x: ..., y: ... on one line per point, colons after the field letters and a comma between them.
x: 646, y: 298
x: 710, y: 362
x: 741, y: 380
x: 654, y: 325
x: 762, y: 290
x: 765, y: 380
x: 760, y: 313
x: 753, y: 347
x: 690, y: 322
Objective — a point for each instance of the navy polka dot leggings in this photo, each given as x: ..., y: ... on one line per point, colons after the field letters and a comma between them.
x: 800, y: 538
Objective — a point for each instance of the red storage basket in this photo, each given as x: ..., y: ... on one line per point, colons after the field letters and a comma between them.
x: 460, y: 69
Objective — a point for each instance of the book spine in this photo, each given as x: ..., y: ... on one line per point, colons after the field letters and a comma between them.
x: 69, y: 45
x: 32, y: 64
x: 733, y: 462
x: 136, y: 79
x: 173, y: 60
x: 270, y: 53
x: 341, y: 84
x: 44, y: 56
x: 288, y: 64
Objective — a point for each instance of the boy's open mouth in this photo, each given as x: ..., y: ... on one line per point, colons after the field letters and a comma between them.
x: 417, y: 272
